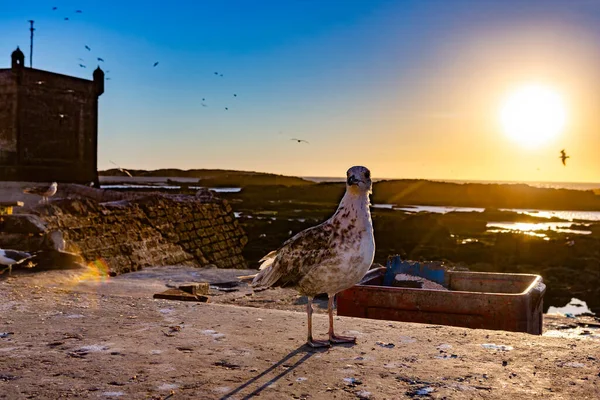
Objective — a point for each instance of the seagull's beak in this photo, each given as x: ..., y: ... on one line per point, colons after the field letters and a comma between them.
x: 352, y: 180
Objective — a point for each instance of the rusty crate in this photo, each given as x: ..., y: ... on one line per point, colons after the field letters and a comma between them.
x: 498, y: 301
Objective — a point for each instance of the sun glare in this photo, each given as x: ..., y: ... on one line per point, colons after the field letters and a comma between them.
x: 533, y: 115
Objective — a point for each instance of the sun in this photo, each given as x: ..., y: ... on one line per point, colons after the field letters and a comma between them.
x: 533, y: 115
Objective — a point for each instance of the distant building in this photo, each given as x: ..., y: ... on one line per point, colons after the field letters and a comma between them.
x: 48, y: 124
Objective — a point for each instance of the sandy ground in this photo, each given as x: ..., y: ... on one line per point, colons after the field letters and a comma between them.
x: 74, y: 334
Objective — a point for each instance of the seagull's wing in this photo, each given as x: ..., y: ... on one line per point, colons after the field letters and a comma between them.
x: 18, y: 256
x: 287, y: 265
x: 127, y: 172
x: 39, y: 190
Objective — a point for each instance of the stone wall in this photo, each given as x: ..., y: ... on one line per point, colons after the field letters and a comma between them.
x: 149, y: 230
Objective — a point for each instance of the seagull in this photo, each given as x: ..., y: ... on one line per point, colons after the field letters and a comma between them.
x: 226, y: 108
x: 155, y: 64
x: 82, y: 66
x: 100, y: 59
x: 54, y: 8
x: 88, y: 48
x: 12, y: 257
x: 563, y: 157
x: 122, y: 170
x: 66, y: 18
x: 78, y: 11
x: 300, y: 140
x: 204, y: 105
x: 44, y: 191
x: 329, y: 257
x: 234, y: 95
x: 108, y: 79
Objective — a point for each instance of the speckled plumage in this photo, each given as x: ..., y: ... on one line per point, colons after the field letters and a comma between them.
x: 329, y: 257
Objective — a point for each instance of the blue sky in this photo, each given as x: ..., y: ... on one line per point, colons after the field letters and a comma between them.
x: 408, y: 88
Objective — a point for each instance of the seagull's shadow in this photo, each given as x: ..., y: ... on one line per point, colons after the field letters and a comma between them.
x: 305, y: 351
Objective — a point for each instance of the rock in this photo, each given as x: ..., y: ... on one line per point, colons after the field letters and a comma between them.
x: 23, y: 224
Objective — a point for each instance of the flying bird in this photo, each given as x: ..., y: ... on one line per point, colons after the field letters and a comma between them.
x: 563, y: 157
x: 78, y: 11
x: 88, y: 48
x: 81, y: 59
x: 39, y: 82
x: 122, y: 169
x: 66, y: 18
x: 9, y: 258
x: 300, y: 140
x: 329, y: 257
x: 226, y: 108
x: 234, y: 95
x: 155, y: 64
x: 216, y: 73
x: 108, y: 79
x: 44, y: 191
x: 100, y: 59
x: 54, y: 8
x: 204, y: 105
x: 82, y: 66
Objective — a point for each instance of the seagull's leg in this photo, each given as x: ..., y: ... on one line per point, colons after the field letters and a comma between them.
x: 333, y: 338
x: 310, y: 341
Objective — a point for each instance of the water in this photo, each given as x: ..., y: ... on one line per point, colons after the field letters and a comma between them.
x: 566, y: 215
x: 170, y: 187
x: 575, y: 307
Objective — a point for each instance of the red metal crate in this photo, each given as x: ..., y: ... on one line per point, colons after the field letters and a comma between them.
x: 510, y: 302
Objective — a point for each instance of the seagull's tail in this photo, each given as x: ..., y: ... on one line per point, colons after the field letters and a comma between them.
x: 267, y: 275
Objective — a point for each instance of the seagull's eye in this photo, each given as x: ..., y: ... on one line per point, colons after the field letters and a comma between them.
x: 368, y: 175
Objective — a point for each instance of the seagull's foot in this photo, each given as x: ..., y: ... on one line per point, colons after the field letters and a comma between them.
x: 337, y: 339
x: 316, y: 344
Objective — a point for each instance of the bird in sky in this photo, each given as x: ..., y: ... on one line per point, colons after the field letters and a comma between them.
x: 300, y: 140
x: 81, y: 59
x: 78, y: 11
x: 329, y: 257
x: 54, y: 8
x: 155, y: 64
x: 66, y: 18
x: 234, y: 95
x: 82, y: 66
x: 88, y: 48
x: 563, y: 157
x: 122, y: 169
x: 13, y: 257
x: 100, y: 59
x: 108, y: 79
x: 204, y: 105
x: 226, y: 108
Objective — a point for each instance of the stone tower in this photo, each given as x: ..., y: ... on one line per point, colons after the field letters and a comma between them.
x: 48, y: 124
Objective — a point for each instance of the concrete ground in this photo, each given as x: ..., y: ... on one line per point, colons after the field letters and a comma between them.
x: 76, y: 334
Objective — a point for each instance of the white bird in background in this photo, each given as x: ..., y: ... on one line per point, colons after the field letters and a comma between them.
x: 122, y: 170
x: 13, y: 257
x: 329, y: 257
x: 44, y: 191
